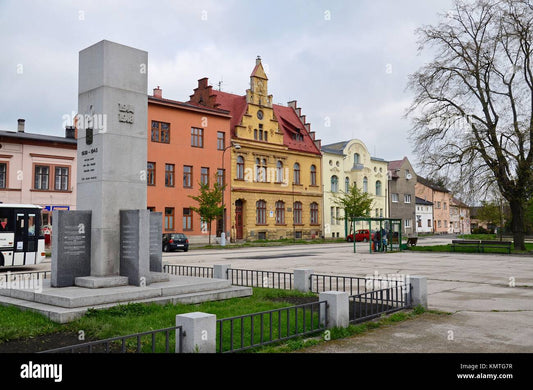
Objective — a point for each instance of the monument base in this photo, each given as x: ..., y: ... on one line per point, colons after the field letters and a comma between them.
x: 100, y: 281
x: 70, y: 303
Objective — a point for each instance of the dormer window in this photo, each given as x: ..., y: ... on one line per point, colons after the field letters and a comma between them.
x: 298, y: 136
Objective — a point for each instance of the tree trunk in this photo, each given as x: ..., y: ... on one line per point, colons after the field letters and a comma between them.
x: 518, y: 222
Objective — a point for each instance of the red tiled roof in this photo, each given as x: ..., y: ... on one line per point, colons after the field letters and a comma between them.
x: 235, y: 104
x: 290, y: 124
x: 396, y: 164
x: 187, y: 105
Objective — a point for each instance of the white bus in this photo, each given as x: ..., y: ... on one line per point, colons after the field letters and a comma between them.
x: 21, y: 239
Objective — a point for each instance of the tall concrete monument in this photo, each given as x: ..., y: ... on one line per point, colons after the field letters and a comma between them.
x: 112, y: 144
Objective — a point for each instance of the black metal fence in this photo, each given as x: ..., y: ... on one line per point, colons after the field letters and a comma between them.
x: 353, y: 285
x: 25, y: 276
x: 350, y: 284
x: 248, y: 331
x: 160, y: 340
x: 255, y: 278
x: 372, y: 304
x: 188, y: 270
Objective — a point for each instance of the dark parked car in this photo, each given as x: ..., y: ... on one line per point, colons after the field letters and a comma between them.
x: 174, y: 241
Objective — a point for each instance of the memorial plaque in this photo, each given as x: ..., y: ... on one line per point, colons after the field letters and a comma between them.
x: 134, y: 250
x: 71, y: 246
x: 156, y: 235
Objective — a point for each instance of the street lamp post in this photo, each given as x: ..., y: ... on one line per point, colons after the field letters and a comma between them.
x: 223, y: 234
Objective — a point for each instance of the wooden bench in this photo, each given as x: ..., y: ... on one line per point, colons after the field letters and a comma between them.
x: 466, y: 243
x: 496, y: 244
x: 480, y: 245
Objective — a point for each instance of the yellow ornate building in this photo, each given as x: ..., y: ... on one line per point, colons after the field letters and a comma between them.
x: 344, y: 164
x: 275, y: 175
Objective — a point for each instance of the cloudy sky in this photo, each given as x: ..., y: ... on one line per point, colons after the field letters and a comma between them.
x: 346, y: 62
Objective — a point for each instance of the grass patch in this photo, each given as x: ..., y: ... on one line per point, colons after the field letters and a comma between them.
x: 264, y: 243
x: 465, y: 249
x: 489, y: 237
x: 16, y: 323
x: 126, y: 319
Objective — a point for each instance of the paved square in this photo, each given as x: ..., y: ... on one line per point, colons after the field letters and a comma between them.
x: 490, y: 296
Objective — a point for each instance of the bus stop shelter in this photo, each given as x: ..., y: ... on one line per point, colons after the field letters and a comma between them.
x: 390, y: 233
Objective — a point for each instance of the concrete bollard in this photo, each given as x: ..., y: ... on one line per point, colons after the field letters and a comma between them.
x: 199, y: 332
x: 302, y: 280
x: 220, y: 271
x: 338, y: 309
x: 419, y: 291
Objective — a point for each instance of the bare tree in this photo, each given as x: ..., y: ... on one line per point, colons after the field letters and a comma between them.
x: 473, y: 107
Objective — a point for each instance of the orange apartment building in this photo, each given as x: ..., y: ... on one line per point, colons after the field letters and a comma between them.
x: 186, y: 146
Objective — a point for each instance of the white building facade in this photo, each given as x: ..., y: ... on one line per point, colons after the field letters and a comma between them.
x: 344, y: 164
x: 424, y: 216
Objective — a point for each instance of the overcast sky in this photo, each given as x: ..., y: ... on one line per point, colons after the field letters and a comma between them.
x: 346, y: 62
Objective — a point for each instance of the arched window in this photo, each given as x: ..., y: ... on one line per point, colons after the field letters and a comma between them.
x: 356, y: 158
x: 365, y: 184
x: 334, y: 183
x: 378, y: 188
x: 296, y: 173
x: 297, y: 213
x: 313, y: 175
x: 240, y: 168
x: 314, y: 213
x: 347, y: 184
x: 279, y: 172
x: 280, y: 212
x: 260, y: 212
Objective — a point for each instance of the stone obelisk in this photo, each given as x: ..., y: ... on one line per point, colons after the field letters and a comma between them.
x: 112, y: 149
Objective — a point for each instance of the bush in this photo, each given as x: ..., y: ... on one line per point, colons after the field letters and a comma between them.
x: 481, y: 230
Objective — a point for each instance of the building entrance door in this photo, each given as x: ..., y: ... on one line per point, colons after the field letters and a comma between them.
x: 238, y: 220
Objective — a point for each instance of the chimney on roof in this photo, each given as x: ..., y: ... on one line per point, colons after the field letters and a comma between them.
x: 258, y: 60
x: 20, y: 127
x: 158, y: 93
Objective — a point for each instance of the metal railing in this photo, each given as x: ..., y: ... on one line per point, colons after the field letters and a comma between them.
x: 132, y: 343
x: 188, y: 270
x: 248, y: 331
x: 372, y: 304
x: 255, y: 278
x: 35, y: 275
x: 351, y: 284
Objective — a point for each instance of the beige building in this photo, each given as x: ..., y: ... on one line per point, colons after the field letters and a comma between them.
x: 38, y: 169
x: 346, y: 163
x: 459, y: 217
x: 440, y: 197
